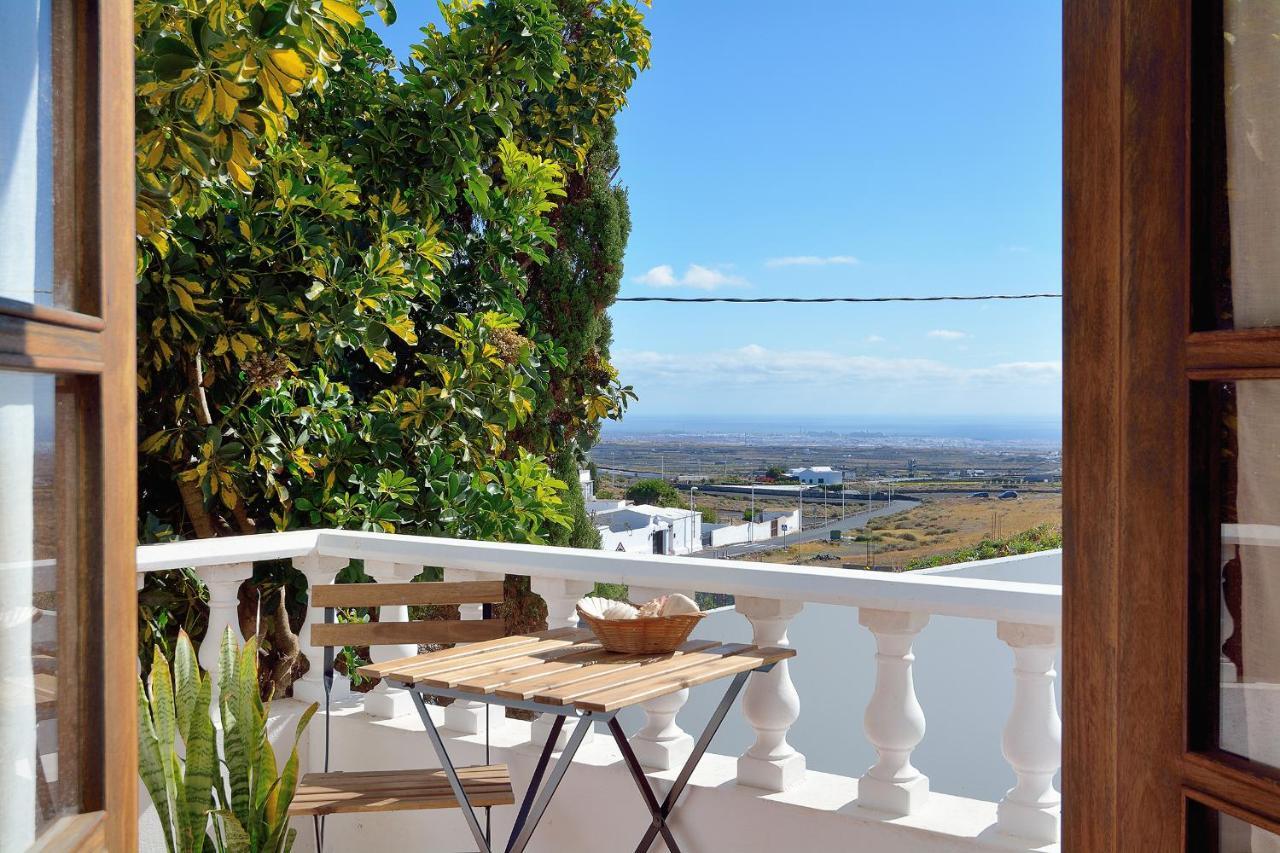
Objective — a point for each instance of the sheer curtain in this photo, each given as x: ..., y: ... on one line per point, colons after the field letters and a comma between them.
x: 1253, y: 191
x: 26, y: 204
x: 17, y: 681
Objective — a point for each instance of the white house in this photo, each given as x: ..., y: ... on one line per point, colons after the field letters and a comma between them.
x: 641, y: 528
x: 818, y: 475
x: 645, y: 529
x: 768, y: 525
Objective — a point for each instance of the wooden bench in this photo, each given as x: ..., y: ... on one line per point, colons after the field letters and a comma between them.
x: 326, y: 793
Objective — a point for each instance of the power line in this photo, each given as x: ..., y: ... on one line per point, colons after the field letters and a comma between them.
x: 822, y: 299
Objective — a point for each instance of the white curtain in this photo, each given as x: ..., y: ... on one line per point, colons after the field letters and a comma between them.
x: 17, y: 697
x: 1253, y: 170
x: 26, y: 252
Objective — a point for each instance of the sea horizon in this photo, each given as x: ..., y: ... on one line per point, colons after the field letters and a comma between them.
x: 971, y: 427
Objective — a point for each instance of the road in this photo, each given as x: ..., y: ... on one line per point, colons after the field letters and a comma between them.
x: 810, y: 534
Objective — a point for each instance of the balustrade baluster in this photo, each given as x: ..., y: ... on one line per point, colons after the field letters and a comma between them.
x: 384, y: 700
x: 661, y: 744
x: 894, y: 720
x: 223, y: 583
x: 1033, y: 735
x: 770, y: 702
x: 467, y: 716
x: 561, y: 597
x: 318, y: 570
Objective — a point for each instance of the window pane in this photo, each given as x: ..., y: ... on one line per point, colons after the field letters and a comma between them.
x: 1251, y: 53
x: 35, y: 785
x: 1249, y: 496
x: 1236, y: 836
x: 26, y: 169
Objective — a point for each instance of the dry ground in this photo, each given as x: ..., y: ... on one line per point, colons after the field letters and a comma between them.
x: 939, y: 524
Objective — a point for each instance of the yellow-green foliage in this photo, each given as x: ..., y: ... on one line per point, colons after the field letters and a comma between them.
x: 335, y: 257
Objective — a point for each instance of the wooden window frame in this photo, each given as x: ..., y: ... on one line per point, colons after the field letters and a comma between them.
x: 1140, y: 614
x: 93, y: 100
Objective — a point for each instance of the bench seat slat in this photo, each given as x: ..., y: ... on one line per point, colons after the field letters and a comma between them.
x: 399, y: 790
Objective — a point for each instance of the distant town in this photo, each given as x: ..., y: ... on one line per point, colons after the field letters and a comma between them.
x: 867, y: 500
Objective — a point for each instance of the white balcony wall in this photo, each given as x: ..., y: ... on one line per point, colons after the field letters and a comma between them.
x: 949, y: 754
x: 954, y: 657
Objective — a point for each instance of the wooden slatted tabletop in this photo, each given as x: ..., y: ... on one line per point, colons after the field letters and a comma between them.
x: 566, y: 666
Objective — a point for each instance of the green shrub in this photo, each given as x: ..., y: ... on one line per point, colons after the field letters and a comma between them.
x: 1045, y: 537
x: 654, y: 492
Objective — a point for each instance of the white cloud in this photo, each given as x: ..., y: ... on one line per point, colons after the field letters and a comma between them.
x: 695, y: 275
x: 812, y: 261
x: 948, y: 334
x: 874, y: 339
x: 757, y: 365
x: 705, y: 278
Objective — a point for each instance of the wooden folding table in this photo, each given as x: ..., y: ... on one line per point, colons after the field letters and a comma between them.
x: 565, y: 673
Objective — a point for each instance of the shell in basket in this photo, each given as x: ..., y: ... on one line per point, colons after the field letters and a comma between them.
x: 639, y: 634
x: 607, y: 608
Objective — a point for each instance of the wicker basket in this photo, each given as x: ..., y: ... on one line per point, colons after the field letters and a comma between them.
x: 646, y: 636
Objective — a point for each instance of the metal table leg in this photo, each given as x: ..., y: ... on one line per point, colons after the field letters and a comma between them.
x: 446, y: 764
x: 520, y: 839
x: 660, y: 814
x: 536, y: 780
x: 535, y: 801
x: 650, y: 801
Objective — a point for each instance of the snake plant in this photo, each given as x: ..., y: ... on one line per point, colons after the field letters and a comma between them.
x: 242, y: 809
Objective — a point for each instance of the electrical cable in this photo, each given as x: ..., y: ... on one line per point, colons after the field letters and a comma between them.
x: 739, y: 300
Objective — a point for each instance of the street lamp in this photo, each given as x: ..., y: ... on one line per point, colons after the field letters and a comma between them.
x: 692, y: 522
x: 801, y: 516
x: 662, y: 461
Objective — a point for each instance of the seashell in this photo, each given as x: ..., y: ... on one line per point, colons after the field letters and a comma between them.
x: 594, y: 606
x: 652, y: 607
x: 606, y: 608
x: 679, y: 605
x: 619, y: 610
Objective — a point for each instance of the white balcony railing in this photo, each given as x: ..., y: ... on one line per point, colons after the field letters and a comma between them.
x: 889, y: 806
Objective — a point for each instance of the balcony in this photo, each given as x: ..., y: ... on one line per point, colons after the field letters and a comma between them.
x: 920, y: 714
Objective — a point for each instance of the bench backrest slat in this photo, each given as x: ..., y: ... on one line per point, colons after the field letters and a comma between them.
x: 398, y: 633
x: 411, y: 594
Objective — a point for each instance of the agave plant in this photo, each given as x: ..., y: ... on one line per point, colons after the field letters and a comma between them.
x: 244, y: 808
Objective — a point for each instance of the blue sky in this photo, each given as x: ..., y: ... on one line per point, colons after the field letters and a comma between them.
x: 841, y: 148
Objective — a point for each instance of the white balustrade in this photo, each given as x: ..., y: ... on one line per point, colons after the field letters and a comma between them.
x: 318, y: 570
x: 894, y: 720
x: 895, y: 608
x: 468, y: 717
x: 384, y: 700
x: 661, y: 744
x: 1032, y: 739
x: 223, y: 583
x: 770, y: 702
x: 561, y: 597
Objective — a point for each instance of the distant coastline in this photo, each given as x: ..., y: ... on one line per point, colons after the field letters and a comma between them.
x: 1001, y: 429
